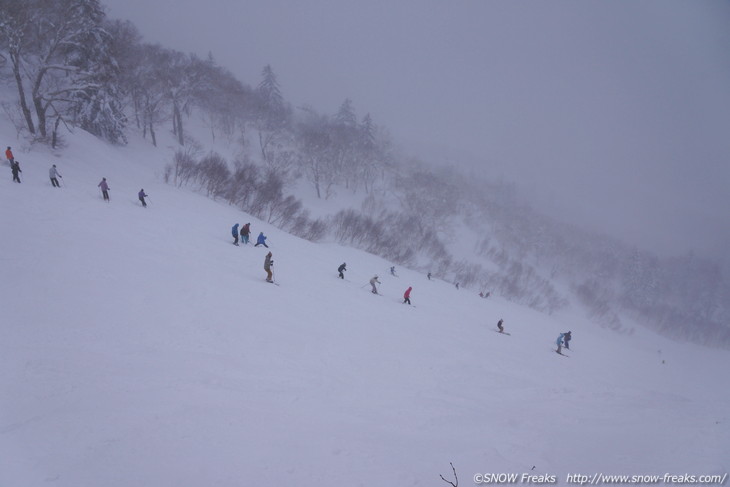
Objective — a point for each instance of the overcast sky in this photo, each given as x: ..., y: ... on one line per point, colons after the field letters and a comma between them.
x: 611, y: 114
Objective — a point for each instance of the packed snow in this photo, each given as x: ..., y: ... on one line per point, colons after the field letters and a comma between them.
x: 141, y: 348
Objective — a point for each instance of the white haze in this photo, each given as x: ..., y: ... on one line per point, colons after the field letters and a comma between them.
x: 613, y: 115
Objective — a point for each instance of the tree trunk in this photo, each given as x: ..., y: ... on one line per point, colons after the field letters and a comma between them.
x: 54, y: 137
x: 21, y: 93
x: 40, y: 110
x: 177, y: 120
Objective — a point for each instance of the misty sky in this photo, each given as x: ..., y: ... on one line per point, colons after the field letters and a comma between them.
x: 612, y: 114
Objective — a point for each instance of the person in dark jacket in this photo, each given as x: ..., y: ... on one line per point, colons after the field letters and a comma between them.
x: 407, y: 295
x: 566, y: 340
x: 53, y: 174
x: 245, y: 232
x: 15, y: 167
x: 499, y: 325
x: 268, y: 262
x: 261, y: 240
x: 104, y: 189
x: 142, y: 195
x: 234, y: 231
x: 342, y: 269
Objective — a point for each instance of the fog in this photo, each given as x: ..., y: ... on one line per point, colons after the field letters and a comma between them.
x: 613, y: 115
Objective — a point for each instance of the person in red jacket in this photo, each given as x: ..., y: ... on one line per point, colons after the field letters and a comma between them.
x: 9, y: 156
x: 407, y: 295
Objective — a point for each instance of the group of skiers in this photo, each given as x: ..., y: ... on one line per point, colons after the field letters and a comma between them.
x: 14, y: 165
x: 53, y: 175
x: 104, y: 186
x: 245, y: 232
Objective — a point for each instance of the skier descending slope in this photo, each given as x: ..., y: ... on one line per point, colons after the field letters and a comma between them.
x: 407, y: 295
x: 234, y: 232
x: 261, y: 240
x: 372, y: 283
x: 559, y: 343
x: 53, y: 175
x: 142, y: 195
x: 342, y: 269
x: 104, y: 189
x: 245, y: 231
x: 268, y: 262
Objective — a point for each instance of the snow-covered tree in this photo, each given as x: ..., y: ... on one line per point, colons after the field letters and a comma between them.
x: 58, y: 55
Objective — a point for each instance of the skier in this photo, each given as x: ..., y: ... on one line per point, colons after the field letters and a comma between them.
x: 53, y: 173
x: 104, y: 189
x: 234, y: 231
x: 142, y: 196
x: 566, y: 340
x: 559, y: 343
x: 268, y: 262
x: 15, y: 167
x: 342, y: 269
x: 392, y: 271
x: 457, y: 285
x: 9, y: 156
x: 499, y: 325
x: 261, y: 240
x: 245, y: 231
x: 372, y: 283
x: 429, y: 276
x: 407, y: 295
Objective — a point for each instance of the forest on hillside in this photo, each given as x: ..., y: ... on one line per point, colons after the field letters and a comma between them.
x: 71, y: 68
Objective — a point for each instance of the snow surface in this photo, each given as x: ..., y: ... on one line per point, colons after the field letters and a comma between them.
x: 140, y: 348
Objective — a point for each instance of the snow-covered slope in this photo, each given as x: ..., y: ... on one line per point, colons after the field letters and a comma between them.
x: 139, y: 347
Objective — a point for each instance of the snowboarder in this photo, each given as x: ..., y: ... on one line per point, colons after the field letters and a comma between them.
x: 499, y: 325
x: 104, y: 189
x: 407, y: 295
x: 9, y: 156
x: 261, y: 240
x: 234, y: 231
x: 15, y: 167
x: 372, y: 283
x: 392, y: 271
x: 268, y: 262
x: 142, y: 195
x: 566, y: 339
x: 559, y: 343
x: 429, y: 276
x: 53, y: 174
x: 245, y: 231
x: 342, y: 269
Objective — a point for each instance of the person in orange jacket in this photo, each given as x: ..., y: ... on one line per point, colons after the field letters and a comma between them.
x: 9, y: 156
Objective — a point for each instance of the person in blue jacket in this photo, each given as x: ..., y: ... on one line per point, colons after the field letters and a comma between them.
x: 234, y: 232
x: 559, y: 343
x: 261, y: 240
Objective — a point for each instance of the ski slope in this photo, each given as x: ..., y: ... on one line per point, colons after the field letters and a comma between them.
x: 140, y: 347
